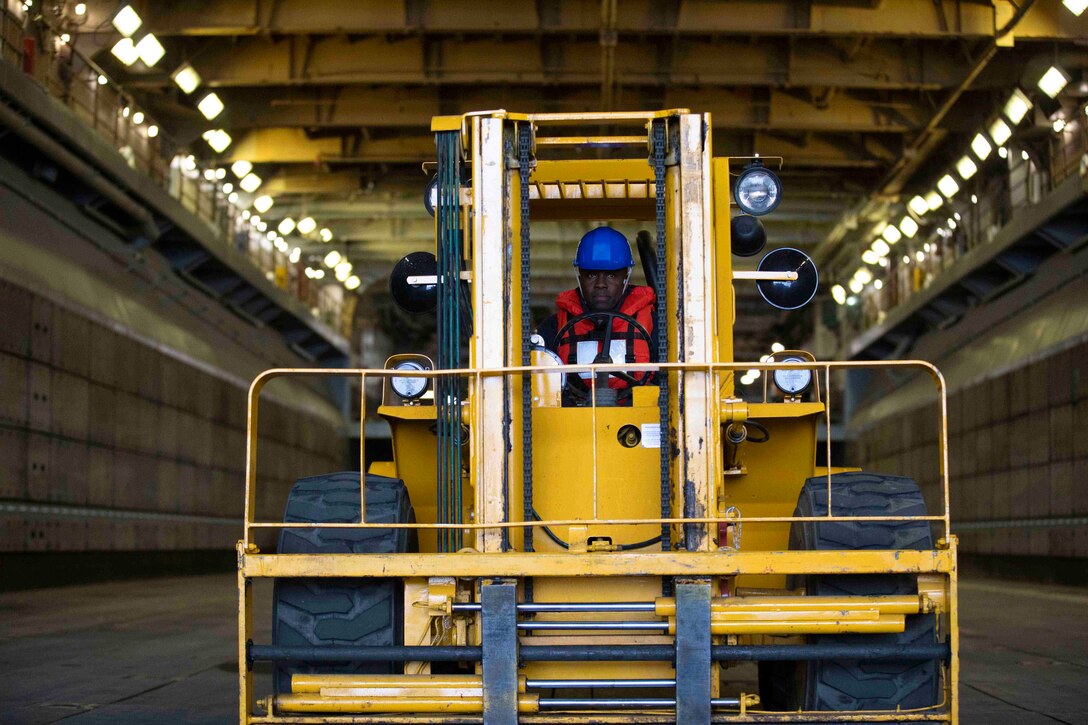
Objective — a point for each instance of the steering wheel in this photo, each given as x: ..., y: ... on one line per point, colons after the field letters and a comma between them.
x: 603, y: 356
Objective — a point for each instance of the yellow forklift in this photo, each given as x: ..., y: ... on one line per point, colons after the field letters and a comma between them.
x: 544, y: 549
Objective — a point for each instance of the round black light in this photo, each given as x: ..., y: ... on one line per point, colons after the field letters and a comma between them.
x: 747, y: 235
x: 414, y: 297
x: 758, y: 190
x: 788, y: 294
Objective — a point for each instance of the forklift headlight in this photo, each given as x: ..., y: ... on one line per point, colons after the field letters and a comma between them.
x: 758, y: 190
x: 409, y: 388
x: 430, y: 195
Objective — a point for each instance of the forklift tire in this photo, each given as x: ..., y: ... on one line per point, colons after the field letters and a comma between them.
x: 323, y: 611
x: 845, y: 685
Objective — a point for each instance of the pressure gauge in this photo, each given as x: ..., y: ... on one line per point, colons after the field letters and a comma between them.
x: 758, y: 190
x: 409, y: 388
x: 792, y: 382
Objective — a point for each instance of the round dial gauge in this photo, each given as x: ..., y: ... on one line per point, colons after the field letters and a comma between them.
x: 409, y: 388
x: 792, y: 382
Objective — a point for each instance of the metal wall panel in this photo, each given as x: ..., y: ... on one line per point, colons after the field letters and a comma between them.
x: 70, y: 405
x: 13, y: 463
x: 15, y: 332
x: 39, y: 384
x: 100, y: 478
x: 71, y: 342
x: 14, y: 390
x: 41, y: 328
x: 68, y: 481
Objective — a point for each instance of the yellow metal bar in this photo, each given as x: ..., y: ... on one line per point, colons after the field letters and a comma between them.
x: 591, y: 141
x: 878, y: 624
x: 407, y: 703
x: 906, y: 604
x: 303, y: 683
x: 516, y: 564
x: 362, y: 447
x: 245, y: 627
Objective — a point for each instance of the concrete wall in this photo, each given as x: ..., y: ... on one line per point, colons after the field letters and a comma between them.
x: 110, y: 444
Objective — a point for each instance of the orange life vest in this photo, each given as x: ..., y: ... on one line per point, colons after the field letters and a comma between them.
x: 638, y: 303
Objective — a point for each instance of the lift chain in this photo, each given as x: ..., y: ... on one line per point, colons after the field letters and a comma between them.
x: 524, y: 148
x: 660, y: 329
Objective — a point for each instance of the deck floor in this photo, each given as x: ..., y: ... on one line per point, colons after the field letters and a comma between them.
x: 162, y: 651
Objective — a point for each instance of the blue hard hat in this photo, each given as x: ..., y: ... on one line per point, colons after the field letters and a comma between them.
x: 603, y: 248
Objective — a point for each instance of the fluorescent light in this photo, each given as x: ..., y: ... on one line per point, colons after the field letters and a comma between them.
x: 326, y: 235
x: 272, y: 235
x: 125, y: 51
x: 210, y: 106
x: 909, y: 227
x: 920, y: 256
x: 1024, y: 155
x: 228, y: 188
x: 232, y: 197
x: 296, y: 254
x: 1017, y: 106
x: 966, y: 168
x: 880, y: 247
x: 754, y: 375
x: 856, y: 287
x: 948, y: 186
x: 870, y: 257
x: 838, y: 293
x: 892, y: 235
x: 1059, y: 125
x: 240, y: 168
x: 127, y: 21
x: 287, y: 225
x: 777, y: 347
x: 80, y: 9
x: 262, y: 226
x: 220, y: 173
x: 1000, y: 132
x: 343, y: 270
x: 1074, y: 6
x: 306, y: 225
x: 918, y: 205
x: 1003, y: 152
x: 981, y: 147
x: 250, y: 182
x: 352, y: 282
x: 209, y: 174
x: 332, y: 259
x: 262, y: 203
x: 934, y: 201
x: 281, y: 245
x: 152, y: 131
x: 150, y: 50
x: 246, y: 215
x: 319, y: 274
x: 218, y: 139
x: 187, y: 78
x: 1053, y: 81
x: 138, y: 117
x: 878, y: 284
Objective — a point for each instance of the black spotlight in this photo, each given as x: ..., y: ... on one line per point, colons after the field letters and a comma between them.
x: 758, y: 189
x: 747, y: 235
x: 788, y: 294
x: 414, y: 297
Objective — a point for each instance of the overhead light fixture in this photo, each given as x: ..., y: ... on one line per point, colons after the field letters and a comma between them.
x: 880, y: 247
x: 1059, y: 125
x: 909, y: 227
x: 281, y: 244
x: 186, y: 78
x: 1075, y: 6
x: 125, y: 51
x: 218, y: 139
x: 326, y: 235
x: 210, y: 106
x: 80, y: 9
x: 209, y: 174
x: 863, y: 275
x: 246, y: 215
x: 966, y: 168
x: 974, y: 198
x: 150, y: 50
x: 878, y: 284
x: 241, y: 167
x: 856, y: 286
x: 838, y: 293
x: 262, y: 226
x: 228, y: 188
x: 981, y: 147
x: 262, y: 203
x: 948, y: 186
x: 343, y: 270
x: 232, y: 197
x: 249, y: 182
x: 287, y: 225
x: 1000, y: 132
x: 920, y: 256
x: 306, y: 225
x: 892, y: 235
x: 296, y: 254
x: 127, y: 21
x: 220, y: 173
x: 934, y: 201
x: 1003, y: 152
x: 918, y: 205
x: 332, y: 259
x: 352, y: 282
x: 1053, y: 81
x: 870, y: 257
x: 152, y: 131
x: 1017, y: 106
x: 102, y: 80
x: 138, y: 118
x: 777, y: 347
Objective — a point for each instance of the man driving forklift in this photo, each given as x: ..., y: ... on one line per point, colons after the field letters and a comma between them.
x: 603, y: 308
